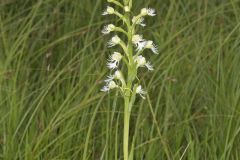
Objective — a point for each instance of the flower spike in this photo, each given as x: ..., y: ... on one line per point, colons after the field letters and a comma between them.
x: 133, y: 46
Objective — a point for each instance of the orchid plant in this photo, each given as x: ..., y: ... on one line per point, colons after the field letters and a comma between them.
x: 131, y: 55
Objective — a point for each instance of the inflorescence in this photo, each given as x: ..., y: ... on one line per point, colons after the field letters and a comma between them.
x: 136, y: 59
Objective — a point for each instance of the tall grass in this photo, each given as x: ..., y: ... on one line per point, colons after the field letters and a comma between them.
x: 52, y: 66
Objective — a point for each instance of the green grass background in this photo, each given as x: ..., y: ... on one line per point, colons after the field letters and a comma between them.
x: 53, y: 63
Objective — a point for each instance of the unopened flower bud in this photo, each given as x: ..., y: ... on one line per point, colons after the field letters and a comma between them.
x: 127, y: 9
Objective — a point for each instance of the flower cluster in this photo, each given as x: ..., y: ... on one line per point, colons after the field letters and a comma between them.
x: 116, y: 80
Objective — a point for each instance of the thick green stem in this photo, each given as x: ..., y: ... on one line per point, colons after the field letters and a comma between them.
x: 127, y: 113
x: 128, y: 93
x: 126, y: 128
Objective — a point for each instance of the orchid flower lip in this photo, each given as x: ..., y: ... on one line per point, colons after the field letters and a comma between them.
x: 152, y: 46
x: 112, y: 65
x: 149, y: 66
x: 140, y: 45
x: 105, y: 89
x: 151, y: 12
x: 140, y: 91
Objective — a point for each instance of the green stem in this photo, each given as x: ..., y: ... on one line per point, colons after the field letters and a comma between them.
x: 126, y: 128
x: 128, y: 101
x: 128, y: 93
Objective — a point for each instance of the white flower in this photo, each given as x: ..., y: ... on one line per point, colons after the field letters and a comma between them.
x: 107, y: 29
x: 114, y: 41
x: 109, y: 10
x: 152, y: 46
x: 139, y: 21
x: 148, y: 11
x: 141, y: 62
x: 110, y: 85
x: 114, y: 60
x: 139, y: 41
x: 140, y: 91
